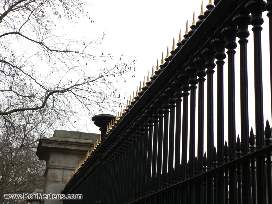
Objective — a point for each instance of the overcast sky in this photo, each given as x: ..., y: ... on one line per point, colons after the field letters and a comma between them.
x: 142, y: 30
x: 139, y: 30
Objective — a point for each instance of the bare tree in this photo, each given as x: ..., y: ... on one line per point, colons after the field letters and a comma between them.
x: 46, y: 77
x: 20, y: 170
x: 51, y: 66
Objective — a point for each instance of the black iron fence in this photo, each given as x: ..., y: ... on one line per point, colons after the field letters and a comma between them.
x: 164, y: 148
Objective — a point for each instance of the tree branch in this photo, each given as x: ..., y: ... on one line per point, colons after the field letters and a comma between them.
x: 40, y: 43
x: 47, y: 96
x: 3, y: 15
x: 25, y: 73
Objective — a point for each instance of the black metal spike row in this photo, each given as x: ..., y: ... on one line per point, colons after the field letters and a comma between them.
x: 150, y: 156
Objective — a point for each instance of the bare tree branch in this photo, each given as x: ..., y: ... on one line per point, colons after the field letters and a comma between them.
x: 40, y: 43
x: 3, y: 15
x: 47, y: 96
x: 25, y: 73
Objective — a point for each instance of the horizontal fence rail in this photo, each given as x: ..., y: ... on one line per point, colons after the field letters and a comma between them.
x: 171, y: 145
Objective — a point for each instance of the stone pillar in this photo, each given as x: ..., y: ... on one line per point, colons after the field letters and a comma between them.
x: 102, y: 121
x: 63, y: 153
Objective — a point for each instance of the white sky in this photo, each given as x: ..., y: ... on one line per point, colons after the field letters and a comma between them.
x: 143, y: 29
x: 139, y: 30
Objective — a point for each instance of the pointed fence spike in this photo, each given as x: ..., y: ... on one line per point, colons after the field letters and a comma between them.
x: 267, y: 131
x: 205, y: 159
x: 136, y: 92
x: 144, y: 82
x: 251, y: 137
x: 174, y: 45
x: 157, y: 65
x: 238, y: 144
x: 162, y: 59
x: 187, y: 28
x: 194, y: 21
x: 202, y: 8
x: 226, y: 151
x: 179, y: 38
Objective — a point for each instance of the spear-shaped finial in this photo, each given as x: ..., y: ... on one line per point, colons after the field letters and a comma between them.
x: 173, y: 45
x: 202, y: 8
x: 194, y: 21
x: 267, y: 133
x: 121, y: 112
x: 148, y: 76
x: 179, y: 37
x: 187, y: 28
x: 238, y: 144
x: 226, y: 148
x: 152, y: 71
x: 251, y: 137
x: 140, y: 87
x: 167, y: 52
x: 157, y: 65
x: 137, y: 91
x: 144, y: 82
x: 210, y: 2
x: 162, y: 59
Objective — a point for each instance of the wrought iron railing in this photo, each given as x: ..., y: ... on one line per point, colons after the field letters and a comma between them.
x: 158, y: 150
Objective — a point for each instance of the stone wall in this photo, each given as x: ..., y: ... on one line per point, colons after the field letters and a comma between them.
x: 63, y: 153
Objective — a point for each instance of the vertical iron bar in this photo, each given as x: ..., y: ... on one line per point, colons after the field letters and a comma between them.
x: 160, y: 142
x: 230, y: 35
x: 243, y: 21
x: 150, y: 136
x: 185, y: 126
x: 256, y: 8
x: 201, y: 80
x: 193, y: 81
x: 220, y: 56
x: 200, y: 151
x: 155, y: 144
x: 171, y: 135
x: 185, y: 94
x: 209, y: 58
x: 165, y: 139
x: 178, y: 129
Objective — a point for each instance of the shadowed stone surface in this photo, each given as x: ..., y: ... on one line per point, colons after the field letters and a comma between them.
x: 63, y: 153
